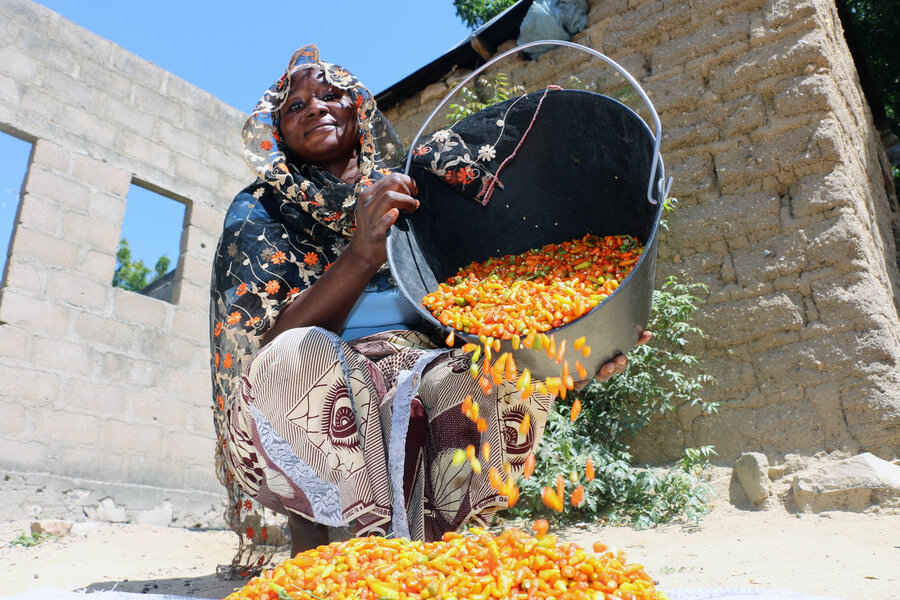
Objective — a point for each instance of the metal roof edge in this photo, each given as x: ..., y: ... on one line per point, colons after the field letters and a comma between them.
x: 503, y: 27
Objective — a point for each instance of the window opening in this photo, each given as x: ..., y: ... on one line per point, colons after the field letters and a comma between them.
x: 150, y: 243
x: 14, y: 157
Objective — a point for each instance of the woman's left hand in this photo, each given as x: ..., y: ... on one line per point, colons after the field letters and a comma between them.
x: 616, y: 365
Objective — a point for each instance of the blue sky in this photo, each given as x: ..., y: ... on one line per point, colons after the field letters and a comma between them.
x: 235, y: 50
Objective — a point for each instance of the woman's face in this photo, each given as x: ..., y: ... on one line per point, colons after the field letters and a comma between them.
x: 318, y: 120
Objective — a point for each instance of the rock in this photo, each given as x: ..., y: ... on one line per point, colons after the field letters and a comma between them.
x: 51, y: 527
x: 275, y: 536
x: 752, y: 470
x: 107, y: 511
x: 793, y: 463
x: 853, y: 484
x: 161, y: 516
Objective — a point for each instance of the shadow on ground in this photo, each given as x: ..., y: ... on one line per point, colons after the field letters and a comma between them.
x: 208, y: 586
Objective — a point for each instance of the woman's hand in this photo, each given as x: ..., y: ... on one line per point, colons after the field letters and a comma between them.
x: 377, y: 208
x: 616, y: 365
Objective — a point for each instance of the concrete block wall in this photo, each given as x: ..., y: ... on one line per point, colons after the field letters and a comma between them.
x: 785, y: 214
x: 105, y: 391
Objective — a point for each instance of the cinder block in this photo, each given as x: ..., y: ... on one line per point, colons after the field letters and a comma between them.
x: 187, y: 167
x: 117, y: 87
x: 25, y: 382
x: 127, y: 369
x: 91, y: 232
x: 63, y: 84
x: 188, y: 447
x: 187, y: 383
x: 191, y: 324
x: 62, y: 189
x: 29, y: 455
x: 231, y: 117
x: 198, y: 271
x: 70, y: 427
x: 24, y: 276
x: 206, y: 218
x: 98, y: 265
x: 17, y: 342
x: 139, y: 309
x: 202, y: 476
x: 137, y: 69
x: 183, y: 353
x: 200, y: 417
x: 101, y: 175
x: 144, y: 151
x: 193, y: 296
x: 16, y: 65
x: 131, y: 437
x: 23, y: 309
x: 172, y: 136
x: 109, y: 207
x: 154, y: 408
x: 84, y: 123
x: 62, y: 356
x: 15, y: 416
x: 103, y: 333
x: 152, y: 101
x: 39, y: 213
x: 194, y: 99
x: 90, y: 461
x: 121, y: 111
x: 10, y: 92
x: 50, y: 156
x: 104, y: 399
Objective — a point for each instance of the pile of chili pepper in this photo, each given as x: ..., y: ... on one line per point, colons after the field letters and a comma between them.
x: 476, y: 565
x: 539, y: 290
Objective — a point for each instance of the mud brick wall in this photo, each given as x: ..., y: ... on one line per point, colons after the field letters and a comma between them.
x: 106, y: 393
x: 785, y: 207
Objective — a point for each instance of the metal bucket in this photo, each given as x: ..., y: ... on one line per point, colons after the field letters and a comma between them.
x: 583, y: 169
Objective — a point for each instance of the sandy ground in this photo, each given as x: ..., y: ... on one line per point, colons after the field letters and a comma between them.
x: 834, y: 554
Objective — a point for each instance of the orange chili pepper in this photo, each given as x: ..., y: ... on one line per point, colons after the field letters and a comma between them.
x: 525, y: 425
x: 540, y: 528
x: 451, y: 338
x: 561, y: 353
x: 582, y: 372
x: 578, y: 496
x: 511, y: 373
x: 529, y: 466
x: 495, y: 478
x: 576, y: 409
x: 475, y: 564
x: 589, y: 469
x: 560, y: 487
x: 551, y: 499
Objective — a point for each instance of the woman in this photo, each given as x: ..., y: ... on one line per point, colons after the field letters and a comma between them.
x: 330, y: 407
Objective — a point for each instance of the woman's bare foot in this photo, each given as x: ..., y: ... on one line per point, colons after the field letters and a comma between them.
x: 306, y: 534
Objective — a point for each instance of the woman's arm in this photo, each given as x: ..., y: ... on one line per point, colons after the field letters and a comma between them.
x: 328, y: 302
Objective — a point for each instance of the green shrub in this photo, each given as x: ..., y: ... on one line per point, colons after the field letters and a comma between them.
x: 661, y: 377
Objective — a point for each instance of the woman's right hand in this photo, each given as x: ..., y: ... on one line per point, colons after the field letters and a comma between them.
x: 377, y: 208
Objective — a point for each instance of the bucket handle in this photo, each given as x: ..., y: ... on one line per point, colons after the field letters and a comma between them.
x: 663, y: 187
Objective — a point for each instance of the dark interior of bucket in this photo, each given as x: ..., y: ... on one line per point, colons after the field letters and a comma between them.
x: 583, y: 168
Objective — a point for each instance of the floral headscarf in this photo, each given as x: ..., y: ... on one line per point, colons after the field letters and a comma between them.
x: 280, y: 235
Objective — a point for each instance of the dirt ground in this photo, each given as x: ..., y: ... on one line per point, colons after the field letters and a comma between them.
x: 834, y: 554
